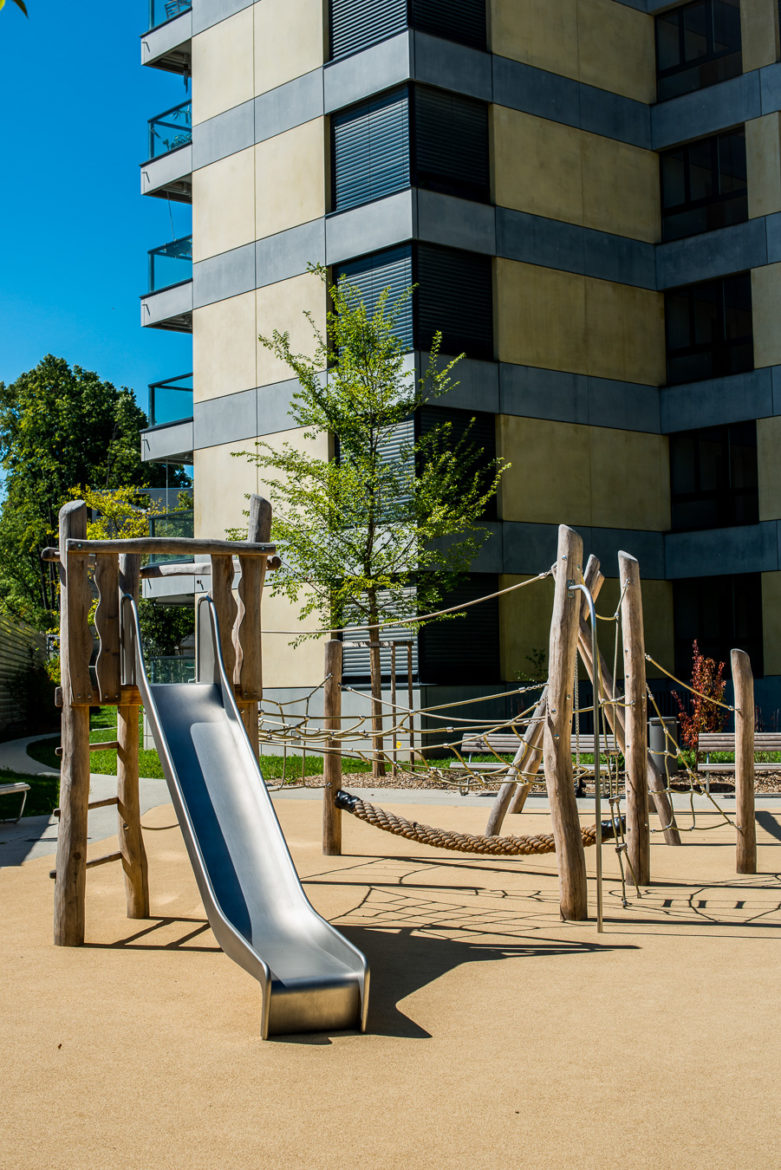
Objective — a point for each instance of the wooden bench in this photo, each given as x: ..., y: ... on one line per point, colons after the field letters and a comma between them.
x: 724, y: 741
x: 18, y: 788
x: 507, y: 743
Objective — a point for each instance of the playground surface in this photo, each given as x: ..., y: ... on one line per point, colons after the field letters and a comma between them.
x: 497, y: 1034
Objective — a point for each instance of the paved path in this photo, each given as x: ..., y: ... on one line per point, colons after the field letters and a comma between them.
x: 37, y: 836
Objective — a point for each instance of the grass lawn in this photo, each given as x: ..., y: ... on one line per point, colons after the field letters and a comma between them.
x: 44, y: 790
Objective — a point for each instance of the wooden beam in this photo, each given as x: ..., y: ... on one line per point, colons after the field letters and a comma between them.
x: 743, y: 680
x: 225, y: 608
x: 557, y: 733
x: 332, y: 762
x: 75, y: 649
x: 638, y: 835
x: 512, y: 795
x: 131, y: 839
x: 169, y: 546
x: 107, y: 667
x: 248, y: 674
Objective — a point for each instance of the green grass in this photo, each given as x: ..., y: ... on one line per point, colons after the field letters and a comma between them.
x: 42, y: 799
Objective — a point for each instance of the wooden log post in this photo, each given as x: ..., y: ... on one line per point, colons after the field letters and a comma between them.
x: 75, y: 652
x: 131, y: 840
x: 557, y: 733
x: 512, y: 795
x: 332, y: 762
x: 248, y: 674
x: 743, y: 681
x: 638, y: 836
x: 225, y: 608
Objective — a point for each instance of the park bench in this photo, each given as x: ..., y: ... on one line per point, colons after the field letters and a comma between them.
x: 17, y: 788
x: 724, y: 741
x: 507, y: 743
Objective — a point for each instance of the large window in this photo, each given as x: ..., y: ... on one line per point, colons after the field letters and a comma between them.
x: 453, y: 295
x: 704, y: 185
x: 696, y: 46
x: 721, y: 613
x: 411, y: 136
x: 357, y: 24
x: 713, y: 477
x: 709, y: 331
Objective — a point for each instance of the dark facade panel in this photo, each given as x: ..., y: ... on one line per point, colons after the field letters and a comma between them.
x: 454, y: 297
x: 469, y: 645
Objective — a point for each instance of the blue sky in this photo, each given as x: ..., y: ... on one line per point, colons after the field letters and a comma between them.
x: 74, y: 104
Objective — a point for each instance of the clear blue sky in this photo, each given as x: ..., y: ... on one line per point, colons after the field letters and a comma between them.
x: 75, y: 230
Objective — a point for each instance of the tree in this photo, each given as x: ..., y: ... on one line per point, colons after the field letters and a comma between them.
x: 59, y: 427
x: 361, y: 532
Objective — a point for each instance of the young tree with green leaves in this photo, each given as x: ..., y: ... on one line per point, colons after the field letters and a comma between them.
x: 360, y: 533
x: 59, y: 427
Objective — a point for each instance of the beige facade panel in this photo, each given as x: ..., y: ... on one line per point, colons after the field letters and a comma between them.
x: 769, y: 468
x: 225, y: 478
x: 289, y: 40
x: 771, y: 622
x: 565, y: 473
x: 766, y: 312
x: 763, y: 165
x: 524, y: 625
x: 225, y: 350
x: 563, y: 321
x: 547, y: 168
x: 598, y: 42
x: 222, y: 64
x: 290, y: 176
x: 759, y: 33
x: 282, y: 306
x: 224, y: 205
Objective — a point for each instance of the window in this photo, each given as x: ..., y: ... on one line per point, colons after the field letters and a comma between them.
x: 481, y: 431
x: 454, y: 295
x: 721, y: 613
x: 413, y: 135
x: 709, y: 330
x: 696, y: 46
x: 357, y: 24
x: 466, y: 647
x: 713, y: 477
x: 704, y: 185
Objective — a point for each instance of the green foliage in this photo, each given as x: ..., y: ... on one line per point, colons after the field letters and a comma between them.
x: 59, y: 427
x: 164, y: 627
x: 359, y: 530
x: 704, y: 712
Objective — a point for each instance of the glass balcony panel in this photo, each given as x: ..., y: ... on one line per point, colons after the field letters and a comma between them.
x: 170, y: 130
x: 180, y: 523
x: 171, y: 264
x: 161, y: 11
x: 171, y: 401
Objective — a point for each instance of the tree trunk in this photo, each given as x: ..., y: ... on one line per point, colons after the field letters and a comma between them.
x: 378, y: 764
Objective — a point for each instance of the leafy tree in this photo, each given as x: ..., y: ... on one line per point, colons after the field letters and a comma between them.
x: 361, y: 532
x: 59, y: 427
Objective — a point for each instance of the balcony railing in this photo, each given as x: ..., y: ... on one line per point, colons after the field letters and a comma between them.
x: 170, y: 130
x: 179, y: 523
x: 161, y: 11
x: 171, y: 264
x: 171, y: 401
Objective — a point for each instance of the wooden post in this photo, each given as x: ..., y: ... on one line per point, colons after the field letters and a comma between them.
x: 75, y: 652
x: 594, y: 580
x: 332, y: 762
x: 131, y: 840
x: 394, y: 714
x: 249, y: 664
x: 638, y: 837
x: 512, y: 795
x: 225, y: 608
x: 410, y: 701
x: 743, y: 681
x: 557, y: 733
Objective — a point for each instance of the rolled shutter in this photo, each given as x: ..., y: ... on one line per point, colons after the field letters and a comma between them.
x: 356, y: 24
x: 455, y: 297
x: 371, y: 275
x: 457, y: 20
x: 451, y: 144
x: 371, y: 150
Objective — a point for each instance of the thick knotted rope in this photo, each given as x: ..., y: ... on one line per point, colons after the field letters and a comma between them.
x: 460, y: 842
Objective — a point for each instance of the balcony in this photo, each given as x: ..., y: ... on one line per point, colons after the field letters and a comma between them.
x: 167, y: 44
x: 168, y: 170
x: 169, y: 436
x: 169, y: 302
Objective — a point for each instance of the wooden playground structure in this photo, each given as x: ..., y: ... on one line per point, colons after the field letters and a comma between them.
x: 546, y: 742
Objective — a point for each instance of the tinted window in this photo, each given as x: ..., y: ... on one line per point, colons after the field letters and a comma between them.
x: 704, y: 185
x: 713, y: 477
x: 709, y: 329
x: 721, y: 613
x: 696, y: 46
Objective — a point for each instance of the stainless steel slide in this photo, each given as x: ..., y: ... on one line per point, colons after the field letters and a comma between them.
x: 312, y: 979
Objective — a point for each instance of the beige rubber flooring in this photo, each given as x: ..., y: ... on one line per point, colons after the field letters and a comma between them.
x: 498, y: 1036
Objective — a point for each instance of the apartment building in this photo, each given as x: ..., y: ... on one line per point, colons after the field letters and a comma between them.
x: 588, y: 196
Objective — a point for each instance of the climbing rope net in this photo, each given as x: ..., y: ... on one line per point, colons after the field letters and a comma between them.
x: 433, y: 746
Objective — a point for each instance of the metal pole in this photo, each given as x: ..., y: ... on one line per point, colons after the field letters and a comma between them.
x: 394, y: 717
x: 597, y: 775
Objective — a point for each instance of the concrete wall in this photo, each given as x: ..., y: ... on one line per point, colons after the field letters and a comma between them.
x: 759, y: 33
x: 766, y: 311
x: 763, y: 164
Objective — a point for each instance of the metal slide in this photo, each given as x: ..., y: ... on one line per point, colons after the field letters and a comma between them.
x: 312, y: 979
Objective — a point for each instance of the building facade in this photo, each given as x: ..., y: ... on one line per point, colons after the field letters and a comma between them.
x: 587, y: 194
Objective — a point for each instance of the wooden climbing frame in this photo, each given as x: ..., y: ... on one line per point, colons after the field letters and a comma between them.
x: 118, y: 571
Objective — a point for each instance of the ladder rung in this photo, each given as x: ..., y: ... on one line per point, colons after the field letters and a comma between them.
x: 93, y: 862
x: 106, y: 745
x: 94, y: 804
